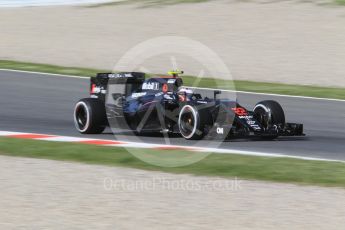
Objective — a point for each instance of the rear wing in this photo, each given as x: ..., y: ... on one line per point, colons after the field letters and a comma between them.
x: 122, y: 78
x: 129, y: 80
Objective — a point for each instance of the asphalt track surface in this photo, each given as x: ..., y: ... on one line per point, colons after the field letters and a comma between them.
x: 44, y: 104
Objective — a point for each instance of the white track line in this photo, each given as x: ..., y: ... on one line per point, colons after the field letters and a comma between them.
x: 45, y: 74
x: 126, y: 144
x: 236, y: 91
x: 272, y: 94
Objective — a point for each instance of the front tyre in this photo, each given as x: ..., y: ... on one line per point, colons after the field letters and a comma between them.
x: 191, y: 123
x: 90, y: 116
x: 271, y: 115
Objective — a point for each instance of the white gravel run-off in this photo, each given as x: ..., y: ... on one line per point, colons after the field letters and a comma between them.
x: 278, y: 41
x: 43, y: 194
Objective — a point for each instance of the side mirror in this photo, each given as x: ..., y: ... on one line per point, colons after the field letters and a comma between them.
x: 216, y: 92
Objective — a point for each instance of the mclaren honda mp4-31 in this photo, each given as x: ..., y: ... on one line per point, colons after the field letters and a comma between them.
x: 129, y: 101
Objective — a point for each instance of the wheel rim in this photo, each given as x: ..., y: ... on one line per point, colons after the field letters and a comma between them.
x: 81, y: 117
x: 187, y: 122
x: 262, y: 116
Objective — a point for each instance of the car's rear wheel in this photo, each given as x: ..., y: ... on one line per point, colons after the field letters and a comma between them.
x: 270, y: 114
x: 191, y: 123
x: 90, y: 116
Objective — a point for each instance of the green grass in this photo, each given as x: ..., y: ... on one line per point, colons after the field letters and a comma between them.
x: 261, y: 87
x: 219, y: 165
x: 148, y: 3
x: 340, y: 2
x: 46, y: 68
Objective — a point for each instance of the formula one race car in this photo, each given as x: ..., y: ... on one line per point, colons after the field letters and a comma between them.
x: 129, y: 101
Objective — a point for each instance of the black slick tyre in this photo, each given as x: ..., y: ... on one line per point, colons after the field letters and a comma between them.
x: 90, y: 116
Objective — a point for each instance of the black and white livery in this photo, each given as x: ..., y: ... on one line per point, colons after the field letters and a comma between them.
x: 129, y: 101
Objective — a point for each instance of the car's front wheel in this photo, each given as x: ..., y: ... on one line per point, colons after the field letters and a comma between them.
x: 90, y: 116
x: 270, y: 114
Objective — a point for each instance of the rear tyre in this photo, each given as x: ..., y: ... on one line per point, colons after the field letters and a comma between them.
x: 270, y: 114
x: 191, y: 123
x: 90, y: 116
